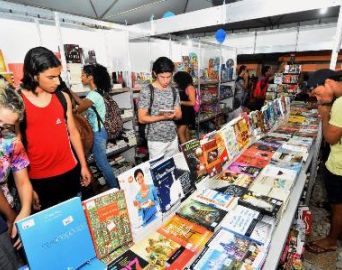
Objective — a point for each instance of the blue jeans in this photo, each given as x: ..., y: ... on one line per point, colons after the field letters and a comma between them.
x: 99, y: 151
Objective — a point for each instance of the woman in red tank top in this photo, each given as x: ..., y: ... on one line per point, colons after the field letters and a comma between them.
x: 50, y: 132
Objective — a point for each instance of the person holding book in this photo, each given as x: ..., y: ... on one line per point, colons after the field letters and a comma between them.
x: 325, y: 86
x: 158, y: 108
x: 97, y: 78
x: 187, y: 93
x: 49, y: 132
x: 146, y: 199
x: 13, y: 159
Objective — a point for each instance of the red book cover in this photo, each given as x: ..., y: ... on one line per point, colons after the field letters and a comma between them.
x: 253, y: 161
x: 210, y: 157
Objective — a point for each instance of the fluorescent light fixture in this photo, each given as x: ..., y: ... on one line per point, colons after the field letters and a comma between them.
x: 189, y: 42
x: 323, y: 10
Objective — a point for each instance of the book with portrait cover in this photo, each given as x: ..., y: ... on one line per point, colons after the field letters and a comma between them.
x: 141, y: 198
x: 186, y: 233
x: 162, y: 252
x: 169, y: 188
x: 108, y: 221
x: 51, y: 237
x: 193, y: 154
x: 128, y: 260
x: 203, y: 214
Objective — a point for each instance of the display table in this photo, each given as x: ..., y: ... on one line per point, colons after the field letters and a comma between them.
x: 281, y: 231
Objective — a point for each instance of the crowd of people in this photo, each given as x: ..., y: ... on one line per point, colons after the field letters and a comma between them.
x: 42, y: 152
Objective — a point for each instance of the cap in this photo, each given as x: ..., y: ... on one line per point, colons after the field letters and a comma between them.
x: 319, y: 77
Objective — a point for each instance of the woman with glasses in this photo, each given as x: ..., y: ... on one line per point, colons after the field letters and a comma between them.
x: 12, y: 158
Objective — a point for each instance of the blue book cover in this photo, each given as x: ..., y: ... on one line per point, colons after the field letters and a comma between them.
x: 170, y: 189
x: 53, y: 237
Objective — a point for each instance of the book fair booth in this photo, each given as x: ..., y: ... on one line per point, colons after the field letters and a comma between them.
x: 237, y: 194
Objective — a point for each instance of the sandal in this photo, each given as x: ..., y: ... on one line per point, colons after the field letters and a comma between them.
x: 316, y: 249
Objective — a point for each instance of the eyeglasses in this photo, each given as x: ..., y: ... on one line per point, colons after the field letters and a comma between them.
x: 7, y: 131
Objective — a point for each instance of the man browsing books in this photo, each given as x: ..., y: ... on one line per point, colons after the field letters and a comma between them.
x: 327, y: 89
x: 158, y: 108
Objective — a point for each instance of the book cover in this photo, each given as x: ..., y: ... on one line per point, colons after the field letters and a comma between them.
x: 210, y: 157
x: 233, y: 190
x: 215, y: 198
x: 182, y: 173
x: 55, y: 233
x: 258, y: 162
x: 245, y: 169
x: 229, y: 137
x: 162, y: 253
x: 128, y: 260
x: 169, y: 188
x: 259, y: 150
x: 202, y: 214
x: 188, y: 234
x: 285, y: 156
x: 234, y: 178
x: 278, y: 172
x: 241, y: 130
x: 263, y: 204
x: 141, y: 198
x: 222, y: 150
x: 192, y: 151
x: 241, y: 220
x: 272, y: 139
x: 262, y: 233
x: 108, y: 221
x: 72, y: 53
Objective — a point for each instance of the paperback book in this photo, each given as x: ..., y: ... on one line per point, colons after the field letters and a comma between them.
x: 202, y: 214
x: 128, y: 260
x: 233, y: 190
x: 228, y: 135
x: 218, y: 199
x: 244, y: 168
x: 227, y: 177
x: 210, y: 157
x: 108, y: 221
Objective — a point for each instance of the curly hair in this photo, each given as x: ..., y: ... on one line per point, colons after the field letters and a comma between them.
x: 10, y: 99
x: 37, y: 60
x: 100, y: 75
x: 183, y: 79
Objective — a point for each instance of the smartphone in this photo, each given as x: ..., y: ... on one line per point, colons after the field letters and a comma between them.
x: 166, y: 111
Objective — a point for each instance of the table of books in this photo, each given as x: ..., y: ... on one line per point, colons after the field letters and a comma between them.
x: 225, y: 202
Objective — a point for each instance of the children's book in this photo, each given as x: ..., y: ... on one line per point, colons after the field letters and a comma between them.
x: 108, y: 221
x: 193, y: 154
x: 186, y: 233
x: 201, y: 213
x: 53, y: 237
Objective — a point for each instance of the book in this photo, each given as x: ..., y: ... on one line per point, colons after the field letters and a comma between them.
x: 259, y: 151
x: 264, y: 204
x: 192, y: 151
x: 222, y: 150
x: 188, y: 234
x: 162, y: 252
x: 51, y: 238
x: 255, y: 161
x: 182, y: 173
x: 128, y: 260
x: 141, y: 198
x: 72, y: 53
x: 210, y: 157
x: 228, y: 135
x: 278, y: 172
x: 233, y: 190
x: 227, y: 177
x: 245, y: 169
x: 286, y: 156
x: 108, y: 221
x: 169, y: 188
x: 202, y: 214
x: 241, y: 129
x: 218, y: 199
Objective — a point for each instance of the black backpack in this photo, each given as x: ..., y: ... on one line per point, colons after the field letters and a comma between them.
x: 143, y: 127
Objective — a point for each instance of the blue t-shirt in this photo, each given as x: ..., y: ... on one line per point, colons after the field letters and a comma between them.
x: 99, y: 104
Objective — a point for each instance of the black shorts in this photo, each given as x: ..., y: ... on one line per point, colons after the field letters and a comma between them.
x: 56, y: 189
x: 333, y: 184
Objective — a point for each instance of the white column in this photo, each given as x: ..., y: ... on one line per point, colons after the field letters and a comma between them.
x: 337, y: 41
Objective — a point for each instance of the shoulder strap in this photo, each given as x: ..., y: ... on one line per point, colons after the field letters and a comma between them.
x: 151, y: 97
x: 63, y: 101
x: 174, y: 94
x: 98, y: 117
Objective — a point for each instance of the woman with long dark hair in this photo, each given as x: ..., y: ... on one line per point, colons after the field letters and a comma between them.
x: 187, y: 93
x: 49, y: 131
x: 97, y: 78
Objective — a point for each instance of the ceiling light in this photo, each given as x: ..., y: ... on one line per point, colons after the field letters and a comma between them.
x: 323, y: 10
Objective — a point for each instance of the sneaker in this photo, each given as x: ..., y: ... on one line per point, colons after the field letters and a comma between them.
x: 102, y: 181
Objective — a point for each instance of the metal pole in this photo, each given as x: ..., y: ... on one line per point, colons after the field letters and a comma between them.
x: 39, y: 32
x: 337, y: 41
x: 61, y: 48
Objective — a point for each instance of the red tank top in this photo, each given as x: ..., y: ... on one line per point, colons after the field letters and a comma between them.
x: 48, y: 144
